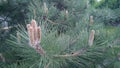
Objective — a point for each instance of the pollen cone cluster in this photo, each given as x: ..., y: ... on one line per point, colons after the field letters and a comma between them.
x: 34, y: 33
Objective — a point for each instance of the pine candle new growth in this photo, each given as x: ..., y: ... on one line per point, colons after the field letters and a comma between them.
x: 91, y: 38
x: 34, y: 33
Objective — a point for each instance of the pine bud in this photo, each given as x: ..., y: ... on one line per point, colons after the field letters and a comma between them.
x: 34, y: 33
x: 34, y: 25
x: 31, y: 35
x: 66, y: 13
x: 28, y: 25
x: 39, y: 34
x: 91, y: 38
x: 45, y: 8
x: 18, y: 37
x: 91, y: 20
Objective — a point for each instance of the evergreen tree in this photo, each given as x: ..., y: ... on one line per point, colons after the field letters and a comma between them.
x: 64, y: 35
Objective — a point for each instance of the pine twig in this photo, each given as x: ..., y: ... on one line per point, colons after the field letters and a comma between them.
x: 54, y: 23
x: 75, y: 54
x: 7, y: 28
x: 40, y: 50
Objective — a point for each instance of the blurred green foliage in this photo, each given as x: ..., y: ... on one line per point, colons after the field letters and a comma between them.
x: 12, y: 13
x: 107, y: 11
x: 113, y: 4
x: 15, y: 10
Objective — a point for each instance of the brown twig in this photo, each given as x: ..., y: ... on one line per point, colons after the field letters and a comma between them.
x: 40, y: 50
x: 7, y: 28
x: 54, y: 23
x: 77, y: 53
